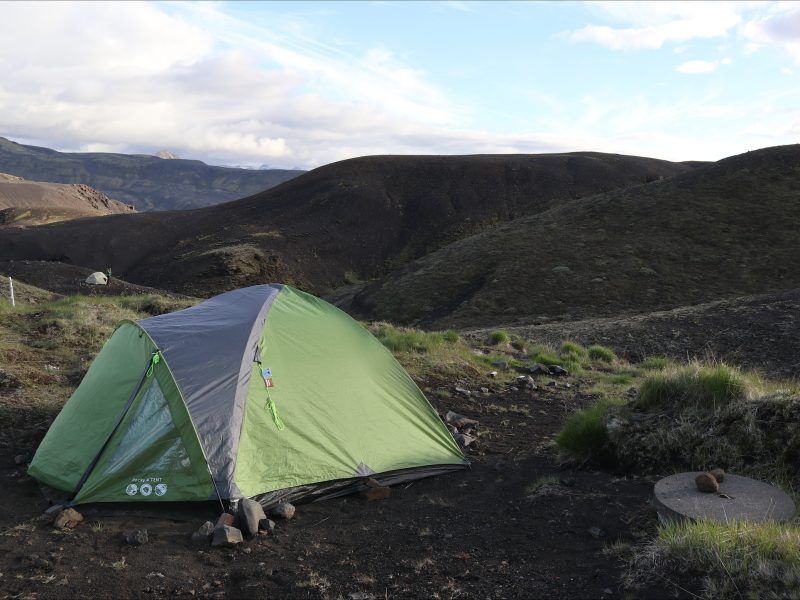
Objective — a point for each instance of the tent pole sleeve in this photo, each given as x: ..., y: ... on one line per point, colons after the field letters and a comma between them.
x: 145, y: 374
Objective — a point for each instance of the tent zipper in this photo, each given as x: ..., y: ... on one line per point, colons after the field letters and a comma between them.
x: 146, y: 374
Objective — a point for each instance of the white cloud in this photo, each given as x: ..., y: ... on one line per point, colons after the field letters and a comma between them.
x: 781, y: 28
x: 701, y: 67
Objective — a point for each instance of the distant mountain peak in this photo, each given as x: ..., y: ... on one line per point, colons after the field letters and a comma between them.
x: 166, y: 154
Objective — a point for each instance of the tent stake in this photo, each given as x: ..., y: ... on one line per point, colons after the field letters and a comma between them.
x: 11, y: 289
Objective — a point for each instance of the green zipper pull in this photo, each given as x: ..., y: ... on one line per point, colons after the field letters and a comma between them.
x: 153, y: 362
x: 274, y: 410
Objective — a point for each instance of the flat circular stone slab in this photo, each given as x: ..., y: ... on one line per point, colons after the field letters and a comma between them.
x: 739, y: 498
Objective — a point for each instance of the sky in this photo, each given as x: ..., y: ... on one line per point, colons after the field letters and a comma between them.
x: 299, y: 85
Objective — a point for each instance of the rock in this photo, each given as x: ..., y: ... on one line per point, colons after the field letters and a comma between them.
x: 526, y: 382
x: 21, y: 459
x: 67, y: 519
x: 464, y: 440
x: 360, y: 596
x: 706, y: 483
x: 54, y: 510
x: 500, y: 364
x: 597, y: 533
x: 250, y: 514
x: 552, y: 384
x: 225, y: 519
x: 463, y: 392
x: 539, y: 369
x: 558, y: 371
x: 266, y: 525
x: 204, y: 533
x: 226, y: 536
x: 492, y: 373
x: 376, y: 492
x: 137, y: 537
x: 484, y: 390
x: 451, y: 429
x: 457, y: 420
x: 284, y: 510
x: 718, y: 474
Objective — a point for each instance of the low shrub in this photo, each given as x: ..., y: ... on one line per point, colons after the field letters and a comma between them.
x: 572, y: 351
x: 734, y: 559
x: 694, y: 384
x: 499, y: 336
x: 584, y: 434
x: 601, y: 354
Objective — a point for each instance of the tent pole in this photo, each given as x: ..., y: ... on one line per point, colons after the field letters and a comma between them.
x: 11, y: 289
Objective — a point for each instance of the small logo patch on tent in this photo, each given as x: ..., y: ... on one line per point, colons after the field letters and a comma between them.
x: 132, y: 489
x: 267, y: 375
x: 161, y: 489
x: 146, y: 489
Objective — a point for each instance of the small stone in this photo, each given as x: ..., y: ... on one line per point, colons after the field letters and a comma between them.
x: 226, y: 536
x: 526, y: 382
x: 250, y: 514
x: 539, y: 369
x: 706, y: 483
x: 284, y: 510
x: 464, y: 440
x: 492, y: 373
x: 247, y: 550
x: 552, y: 384
x: 266, y: 525
x: 718, y: 474
x: 558, y: 371
x: 21, y: 459
x: 500, y: 364
x: 359, y: 596
x: 457, y: 420
x: 377, y: 493
x: 463, y: 392
x: 204, y: 533
x: 225, y: 519
x: 484, y: 390
x: 597, y: 533
x: 68, y: 519
x: 137, y: 537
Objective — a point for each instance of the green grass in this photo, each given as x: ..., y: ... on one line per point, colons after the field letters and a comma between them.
x: 734, y: 559
x: 497, y: 337
x: 404, y: 339
x: 572, y: 351
x: 584, y: 434
x: 601, y: 354
x: 656, y: 363
x: 711, y: 386
x: 542, y: 482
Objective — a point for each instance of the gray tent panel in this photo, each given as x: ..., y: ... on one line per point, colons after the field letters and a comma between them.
x: 209, y: 348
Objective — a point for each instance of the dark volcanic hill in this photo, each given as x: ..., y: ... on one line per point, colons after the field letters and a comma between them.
x: 146, y: 182
x: 24, y: 202
x: 725, y: 229
x: 358, y: 218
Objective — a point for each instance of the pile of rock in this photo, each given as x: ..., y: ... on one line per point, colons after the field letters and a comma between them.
x: 250, y: 520
x: 709, y: 482
x: 463, y: 428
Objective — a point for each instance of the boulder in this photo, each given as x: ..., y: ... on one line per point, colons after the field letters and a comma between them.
x: 706, y: 483
x: 204, y: 533
x: 225, y: 519
x: 67, y: 519
x: 250, y: 514
x: 718, y: 474
x: 558, y: 371
x: 226, y: 536
x: 137, y: 537
x: 284, y: 510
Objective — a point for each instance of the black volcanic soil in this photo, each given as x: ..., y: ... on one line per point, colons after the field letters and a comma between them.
x: 472, y: 534
x: 349, y: 220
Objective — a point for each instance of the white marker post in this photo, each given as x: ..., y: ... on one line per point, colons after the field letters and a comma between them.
x: 11, y: 288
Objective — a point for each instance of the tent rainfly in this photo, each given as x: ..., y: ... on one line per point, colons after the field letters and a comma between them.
x: 97, y: 278
x: 264, y: 392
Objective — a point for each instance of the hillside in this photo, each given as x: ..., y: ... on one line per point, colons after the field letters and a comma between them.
x: 146, y: 182
x: 25, y: 202
x: 351, y: 220
x: 721, y: 230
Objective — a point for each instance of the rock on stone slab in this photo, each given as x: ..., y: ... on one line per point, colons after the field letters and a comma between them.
x: 204, y: 533
x: 707, y: 483
x: 137, y: 537
x: 284, y: 510
x: 718, y: 474
x: 226, y: 536
x: 68, y: 519
x: 250, y: 514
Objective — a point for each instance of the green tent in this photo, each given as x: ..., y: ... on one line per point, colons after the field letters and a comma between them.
x: 263, y: 392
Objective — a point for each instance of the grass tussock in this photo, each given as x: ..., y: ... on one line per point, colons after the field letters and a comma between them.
x: 584, y: 434
x: 735, y: 559
x: 497, y: 337
x: 656, y: 363
x: 601, y: 354
x: 710, y: 386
